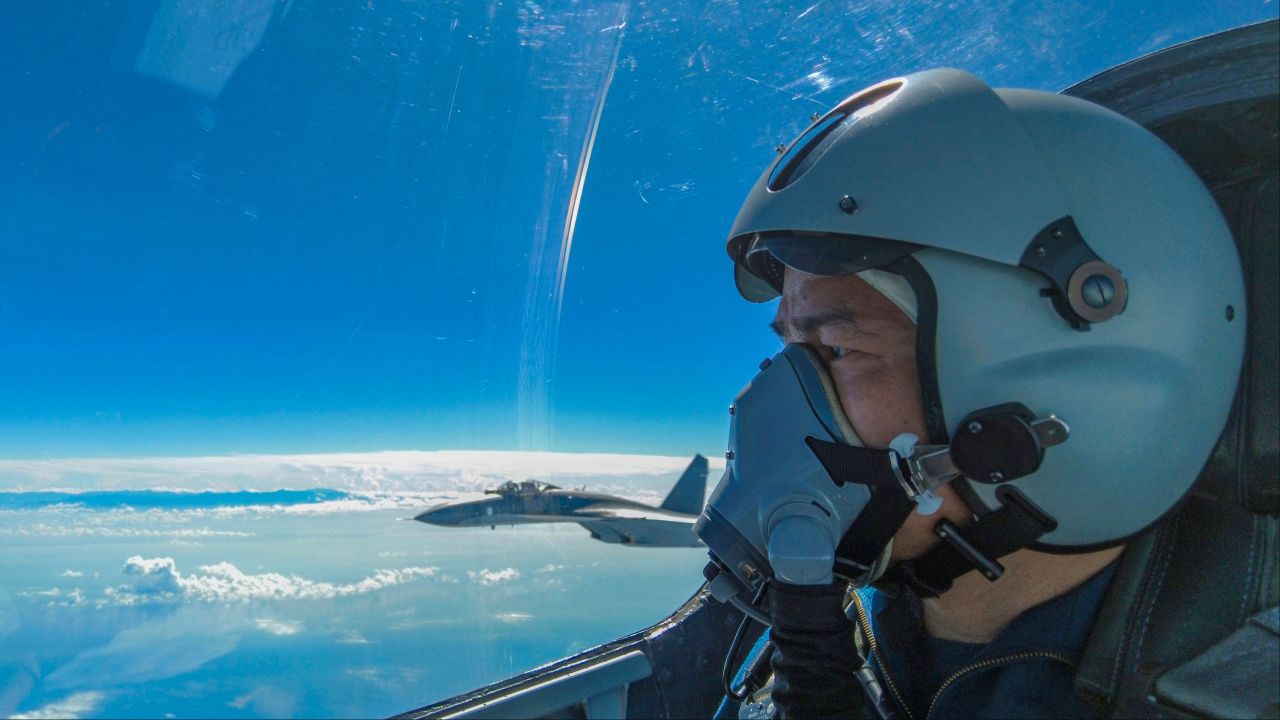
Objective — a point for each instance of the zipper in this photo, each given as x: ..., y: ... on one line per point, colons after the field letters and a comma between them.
x: 865, y: 624
x: 987, y: 664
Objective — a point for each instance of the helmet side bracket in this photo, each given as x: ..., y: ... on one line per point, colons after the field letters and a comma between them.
x: 1084, y: 289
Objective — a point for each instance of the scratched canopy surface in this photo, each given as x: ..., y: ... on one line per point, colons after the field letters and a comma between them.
x: 251, y: 225
x: 274, y: 236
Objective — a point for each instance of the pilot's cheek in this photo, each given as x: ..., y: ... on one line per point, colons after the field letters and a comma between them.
x: 881, y: 403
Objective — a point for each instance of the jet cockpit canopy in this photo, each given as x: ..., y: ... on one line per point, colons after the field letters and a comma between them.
x: 524, y: 487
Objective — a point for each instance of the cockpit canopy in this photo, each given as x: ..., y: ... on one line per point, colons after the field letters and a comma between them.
x: 524, y: 487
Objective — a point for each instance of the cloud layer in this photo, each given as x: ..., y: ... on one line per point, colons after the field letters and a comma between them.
x: 62, y: 529
x: 382, y: 472
x: 158, y: 579
x: 282, y: 628
x: 73, y: 706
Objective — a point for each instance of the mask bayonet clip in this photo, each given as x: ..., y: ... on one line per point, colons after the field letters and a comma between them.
x: 921, y: 468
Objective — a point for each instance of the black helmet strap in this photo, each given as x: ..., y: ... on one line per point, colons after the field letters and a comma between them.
x: 1015, y: 525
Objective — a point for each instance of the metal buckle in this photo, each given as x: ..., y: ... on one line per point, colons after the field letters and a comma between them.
x: 925, y: 469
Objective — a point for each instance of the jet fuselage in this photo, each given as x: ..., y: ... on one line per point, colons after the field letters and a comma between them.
x: 524, y: 507
x: 608, y: 518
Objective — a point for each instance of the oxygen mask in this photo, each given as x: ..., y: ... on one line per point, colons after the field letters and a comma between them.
x: 802, y: 501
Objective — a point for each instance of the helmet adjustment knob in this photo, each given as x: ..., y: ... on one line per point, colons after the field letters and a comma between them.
x: 1097, y: 292
x: 1083, y: 287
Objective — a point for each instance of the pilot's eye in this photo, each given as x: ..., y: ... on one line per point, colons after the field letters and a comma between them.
x: 839, y: 352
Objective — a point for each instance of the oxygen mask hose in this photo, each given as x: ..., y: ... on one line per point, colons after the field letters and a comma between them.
x: 814, y: 654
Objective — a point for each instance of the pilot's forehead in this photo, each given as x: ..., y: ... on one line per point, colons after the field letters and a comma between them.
x: 812, y: 303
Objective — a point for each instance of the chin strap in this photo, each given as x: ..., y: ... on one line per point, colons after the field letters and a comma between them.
x: 1015, y: 525
x: 890, y: 504
x: 999, y: 444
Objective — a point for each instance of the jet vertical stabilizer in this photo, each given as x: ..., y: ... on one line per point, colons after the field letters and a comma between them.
x: 690, y: 490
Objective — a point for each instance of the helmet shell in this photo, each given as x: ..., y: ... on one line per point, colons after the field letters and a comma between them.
x: 972, y: 175
x: 939, y: 160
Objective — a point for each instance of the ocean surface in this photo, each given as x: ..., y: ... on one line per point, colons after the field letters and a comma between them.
x: 210, y: 600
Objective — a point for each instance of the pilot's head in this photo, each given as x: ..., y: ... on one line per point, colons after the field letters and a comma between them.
x: 947, y: 249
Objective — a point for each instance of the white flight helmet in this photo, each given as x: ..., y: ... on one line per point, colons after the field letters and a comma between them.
x: 1062, y: 257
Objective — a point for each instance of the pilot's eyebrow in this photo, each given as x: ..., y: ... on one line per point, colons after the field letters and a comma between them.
x: 809, y: 324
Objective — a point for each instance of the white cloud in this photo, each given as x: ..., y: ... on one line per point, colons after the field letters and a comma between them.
x: 158, y: 579
x: 409, y: 619
x: 512, y: 618
x: 73, y: 706
x: 57, y: 596
x: 153, y: 575
x: 72, y: 574
x: 393, y: 679
x: 282, y: 628
x: 370, y: 674
x: 549, y: 567
x: 353, y: 637
x: 396, y: 501
x: 267, y: 701
x: 493, y: 577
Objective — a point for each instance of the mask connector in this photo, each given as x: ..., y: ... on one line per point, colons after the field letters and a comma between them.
x: 922, y: 469
x: 722, y: 585
x: 801, y: 544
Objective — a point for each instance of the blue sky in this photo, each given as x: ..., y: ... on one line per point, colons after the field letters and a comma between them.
x: 342, y: 228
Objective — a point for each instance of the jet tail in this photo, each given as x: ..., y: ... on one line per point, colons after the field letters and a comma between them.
x: 690, y: 490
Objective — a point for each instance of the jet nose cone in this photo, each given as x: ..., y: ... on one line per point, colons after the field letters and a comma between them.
x: 435, y: 515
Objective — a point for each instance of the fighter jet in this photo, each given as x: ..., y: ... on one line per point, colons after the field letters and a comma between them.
x: 608, y: 518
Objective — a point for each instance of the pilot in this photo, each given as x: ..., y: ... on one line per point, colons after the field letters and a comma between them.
x: 1042, y: 294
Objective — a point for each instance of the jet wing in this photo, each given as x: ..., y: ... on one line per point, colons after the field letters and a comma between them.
x: 653, y: 527
x: 608, y: 512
